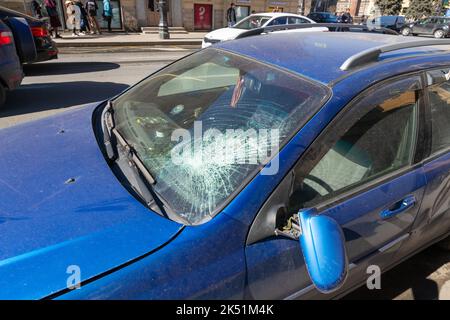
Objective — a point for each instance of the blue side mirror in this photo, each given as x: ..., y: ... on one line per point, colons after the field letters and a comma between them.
x: 323, y: 245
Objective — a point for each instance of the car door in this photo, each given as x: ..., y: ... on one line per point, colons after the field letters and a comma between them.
x: 437, y: 164
x: 424, y: 26
x: 362, y: 172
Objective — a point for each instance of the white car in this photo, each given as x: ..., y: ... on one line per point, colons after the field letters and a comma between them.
x: 253, y: 21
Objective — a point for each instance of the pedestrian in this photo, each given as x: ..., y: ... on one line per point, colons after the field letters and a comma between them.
x: 73, y: 17
x: 91, y: 8
x: 37, y: 9
x: 107, y: 13
x: 347, y: 17
x: 231, y: 15
x: 364, y: 20
x: 52, y: 12
x: 84, y: 24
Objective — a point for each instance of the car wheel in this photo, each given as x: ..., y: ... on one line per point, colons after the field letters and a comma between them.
x: 406, y: 32
x: 439, y: 34
x: 2, y: 95
x: 445, y: 244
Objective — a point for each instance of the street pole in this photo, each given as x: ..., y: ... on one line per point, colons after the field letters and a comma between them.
x: 163, y: 28
x: 302, y: 12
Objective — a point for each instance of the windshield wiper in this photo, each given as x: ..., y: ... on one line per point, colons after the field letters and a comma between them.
x: 132, y: 157
x: 139, y: 177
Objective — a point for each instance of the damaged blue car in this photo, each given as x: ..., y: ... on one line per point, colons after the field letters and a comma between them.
x: 279, y: 166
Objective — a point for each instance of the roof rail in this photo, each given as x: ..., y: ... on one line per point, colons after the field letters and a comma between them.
x: 372, y: 54
x: 336, y: 27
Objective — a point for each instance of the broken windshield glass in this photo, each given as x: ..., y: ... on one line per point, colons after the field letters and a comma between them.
x: 207, y: 123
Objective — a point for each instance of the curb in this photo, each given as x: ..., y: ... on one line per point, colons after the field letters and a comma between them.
x: 70, y: 43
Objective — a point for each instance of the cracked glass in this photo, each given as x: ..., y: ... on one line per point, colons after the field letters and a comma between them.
x: 186, y: 120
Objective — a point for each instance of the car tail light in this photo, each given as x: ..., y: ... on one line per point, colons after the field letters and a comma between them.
x: 6, y: 38
x: 39, y: 31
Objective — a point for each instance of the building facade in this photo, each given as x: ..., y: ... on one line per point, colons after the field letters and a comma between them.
x: 201, y: 15
x: 198, y: 15
x: 364, y: 7
x: 205, y: 15
x: 18, y: 5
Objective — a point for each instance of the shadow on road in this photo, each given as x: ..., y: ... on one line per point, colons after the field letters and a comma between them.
x: 63, y: 68
x: 412, y: 276
x: 39, y: 97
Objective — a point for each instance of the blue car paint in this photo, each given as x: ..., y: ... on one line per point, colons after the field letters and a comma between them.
x: 325, y: 259
x: 210, y: 260
x: 47, y: 224
x: 203, y: 262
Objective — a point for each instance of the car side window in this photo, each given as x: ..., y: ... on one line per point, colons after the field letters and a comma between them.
x: 377, y: 137
x: 439, y: 99
x: 295, y: 20
x: 278, y: 21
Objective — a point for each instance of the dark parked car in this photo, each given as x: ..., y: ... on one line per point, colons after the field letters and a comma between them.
x: 10, y: 67
x: 395, y: 23
x: 45, y: 46
x: 436, y: 26
x: 323, y: 17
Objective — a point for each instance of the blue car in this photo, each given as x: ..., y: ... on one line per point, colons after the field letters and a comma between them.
x: 287, y: 165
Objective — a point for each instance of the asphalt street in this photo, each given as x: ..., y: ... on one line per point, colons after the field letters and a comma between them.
x: 77, y: 78
x: 85, y: 75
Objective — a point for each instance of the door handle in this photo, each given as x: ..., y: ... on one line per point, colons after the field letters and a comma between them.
x: 398, y: 207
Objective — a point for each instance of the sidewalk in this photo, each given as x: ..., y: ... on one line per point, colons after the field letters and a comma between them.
x: 191, y: 40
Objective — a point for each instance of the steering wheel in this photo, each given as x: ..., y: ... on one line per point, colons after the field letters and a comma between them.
x: 320, y: 182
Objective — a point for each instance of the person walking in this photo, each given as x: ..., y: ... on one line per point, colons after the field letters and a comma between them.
x: 107, y: 13
x: 231, y: 15
x: 91, y: 8
x: 84, y: 24
x: 347, y: 17
x: 73, y: 17
x: 37, y: 9
x: 52, y: 11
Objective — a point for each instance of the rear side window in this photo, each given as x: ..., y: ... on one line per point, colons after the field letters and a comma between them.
x: 295, y: 20
x: 278, y: 21
x: 439, y: 96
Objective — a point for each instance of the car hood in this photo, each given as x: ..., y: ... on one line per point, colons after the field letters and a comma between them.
x: 225, y: 34
x: 63, y: 213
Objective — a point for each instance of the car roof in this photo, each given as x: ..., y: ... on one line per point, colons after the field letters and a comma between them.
x: 276, y: 14
x: 318, y: 55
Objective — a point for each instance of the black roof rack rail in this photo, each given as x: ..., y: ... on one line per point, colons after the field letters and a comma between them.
x: 372, y: 54
x: 336, y: 27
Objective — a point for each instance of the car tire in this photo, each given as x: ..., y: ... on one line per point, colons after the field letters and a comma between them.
x: 2, y: 95
x: 445, y: 244
x: 439, y: 34
x: 406, y: 32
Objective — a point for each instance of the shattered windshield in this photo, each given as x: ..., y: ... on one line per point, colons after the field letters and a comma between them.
x: 206, y: 124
